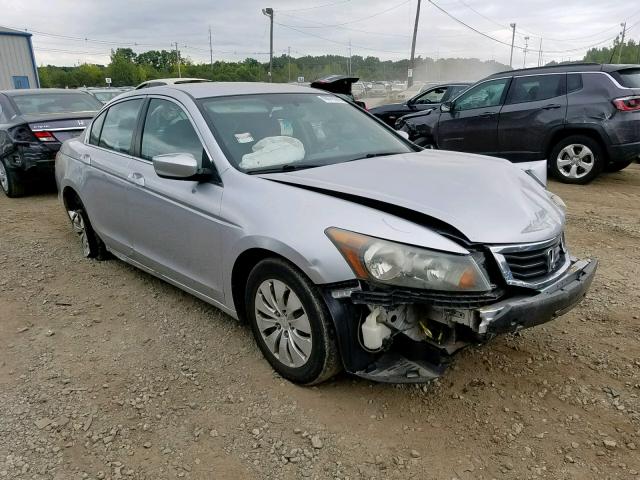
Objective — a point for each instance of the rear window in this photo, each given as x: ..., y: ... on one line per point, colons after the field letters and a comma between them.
x: 535, y: 88
x: 629, y: 77
x: 56, y: 103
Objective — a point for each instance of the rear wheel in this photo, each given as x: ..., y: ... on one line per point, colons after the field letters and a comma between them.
x: 291, y: 323
x: 576, y: 159
x: 617, y: 166
x: 11, y: 182
x: 92, y: 246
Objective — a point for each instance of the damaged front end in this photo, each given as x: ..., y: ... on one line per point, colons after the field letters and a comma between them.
x: 408, y: 335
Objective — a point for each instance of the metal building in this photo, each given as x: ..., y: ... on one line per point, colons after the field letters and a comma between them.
x: 17, y: 62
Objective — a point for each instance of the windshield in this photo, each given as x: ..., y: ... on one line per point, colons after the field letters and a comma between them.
x: 56, y: 103
x: 104, y: 97
x: 300, y: 130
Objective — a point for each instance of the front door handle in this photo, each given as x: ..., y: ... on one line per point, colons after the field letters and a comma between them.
x: 86, y: 158
x: 136, y: 178
x: 551, y: 106
x: 487, y: 114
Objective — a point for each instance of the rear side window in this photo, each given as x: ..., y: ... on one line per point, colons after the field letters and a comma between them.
x: 119, y: 124
x: 574, y: 82
x: 629, y: 77
x: 96, y: 127
x: 536, y: 88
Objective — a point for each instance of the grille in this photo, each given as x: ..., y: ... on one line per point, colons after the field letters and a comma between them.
x: 535, y: 264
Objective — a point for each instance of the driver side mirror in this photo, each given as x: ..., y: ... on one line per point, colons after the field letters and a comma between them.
x: 446, y: 107
x: 177, y: 166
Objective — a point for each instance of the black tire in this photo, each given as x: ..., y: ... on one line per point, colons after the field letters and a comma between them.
x: 323, y: 361
x: 92, y: 245
x: 13, y: 186
x: 613, y: 167
x: 597, y: 157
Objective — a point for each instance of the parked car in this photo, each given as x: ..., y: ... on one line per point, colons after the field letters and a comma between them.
x: 378, y: 90
x: 103, y: 95
x: 341, y: 243
x: 170, y: 81
x: 341, y: 85
x: 33, y: 125
x: 583, y: 118
x: 428, y: 99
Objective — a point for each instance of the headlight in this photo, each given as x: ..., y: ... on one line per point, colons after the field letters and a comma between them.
x: 402, y: 265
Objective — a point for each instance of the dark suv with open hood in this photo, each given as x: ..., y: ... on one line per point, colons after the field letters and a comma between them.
x: 33, y: 125
x: 583, y: 118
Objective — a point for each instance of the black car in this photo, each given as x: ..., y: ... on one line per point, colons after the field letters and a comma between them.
x: 425, y: 100
x: 583, y: 118
x: 33, y: 125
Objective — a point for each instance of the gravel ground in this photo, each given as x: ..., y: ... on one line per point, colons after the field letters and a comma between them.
x: 109, y: 373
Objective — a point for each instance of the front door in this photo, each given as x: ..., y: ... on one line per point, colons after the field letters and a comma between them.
x: 535, y: 107
x: 472, y: 123
x: 175, y: 223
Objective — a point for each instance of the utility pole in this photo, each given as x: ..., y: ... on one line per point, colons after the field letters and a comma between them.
x: 269, y: 13
x: 624, y: 31
x: 540, y: 54
x: 413, y: 48
x: 210, y: 48
x: 349, y: 64
x: 513, y: 39
x: 178, y: 60
x: 526, y: 46
x: 289, y: 58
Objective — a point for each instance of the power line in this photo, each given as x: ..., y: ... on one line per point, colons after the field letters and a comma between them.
x: 326, y: 25
x: 314, y: 7
x: 398, y: 5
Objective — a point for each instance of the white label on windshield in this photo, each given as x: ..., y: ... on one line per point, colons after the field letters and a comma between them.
x: 330, y: 99
x: 244, y: 137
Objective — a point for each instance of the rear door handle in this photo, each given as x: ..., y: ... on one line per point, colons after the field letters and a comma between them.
x: 136, y: 178
x: 85, y: 157
x: 551, y: 106
x: 487, y: 114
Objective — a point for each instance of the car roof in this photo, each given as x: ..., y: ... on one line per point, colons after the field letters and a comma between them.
x: 565, y: 67
x: 39, y: 91
x: 224, y: 89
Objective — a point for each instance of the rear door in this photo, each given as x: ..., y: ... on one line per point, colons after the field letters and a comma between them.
x: 175, y: 223
x: 535, y: 108
x: 472, y: 123
x: 106, y: 186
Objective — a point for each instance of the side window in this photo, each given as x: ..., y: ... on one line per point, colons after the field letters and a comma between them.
x: 432, y: 96
x: 167, y: 129
x: 3, y: 117
x: 96, y: 127
x: 574, y: 82
x: 119, y: 124
x: 487, y: 94
x: 536, y: 88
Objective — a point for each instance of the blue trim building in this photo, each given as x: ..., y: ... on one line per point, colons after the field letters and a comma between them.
x: 18, y: 67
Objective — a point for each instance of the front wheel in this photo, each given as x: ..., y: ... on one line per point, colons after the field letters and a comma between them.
x: 291, y: 323
x: 576, y: 159
x: 11, y: 182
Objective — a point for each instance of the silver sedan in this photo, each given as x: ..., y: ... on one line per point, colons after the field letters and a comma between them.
x: 343, y: 245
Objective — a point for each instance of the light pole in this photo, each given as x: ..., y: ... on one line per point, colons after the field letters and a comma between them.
x: 624, y: 31
x: 513, y: 38
x: 413, y: 47
x: 269, y: 13
x: 526, y: 46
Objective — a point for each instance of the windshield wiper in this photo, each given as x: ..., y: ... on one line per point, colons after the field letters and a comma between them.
x: 373, y: 155
x: 289, y: 167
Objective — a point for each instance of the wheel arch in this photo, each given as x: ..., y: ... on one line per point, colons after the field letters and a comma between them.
x: 592, y: 132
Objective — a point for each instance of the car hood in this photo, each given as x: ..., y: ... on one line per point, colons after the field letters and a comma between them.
x: 387, y: 107
x: 421, y: 113
x: 486, y: 199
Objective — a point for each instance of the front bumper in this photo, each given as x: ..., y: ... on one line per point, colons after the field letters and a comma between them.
x: 470, y: 318
x: 522, y: 312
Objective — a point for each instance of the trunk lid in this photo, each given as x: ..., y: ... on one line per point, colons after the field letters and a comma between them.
x: 62, y: 126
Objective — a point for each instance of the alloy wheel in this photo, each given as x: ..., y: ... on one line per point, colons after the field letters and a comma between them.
x: 4, y: 179
x: 79, y: 227
x: 283, y: 323
x: 575, y: 161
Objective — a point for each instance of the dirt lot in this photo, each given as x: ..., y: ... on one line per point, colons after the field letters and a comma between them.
x: 106, y: 372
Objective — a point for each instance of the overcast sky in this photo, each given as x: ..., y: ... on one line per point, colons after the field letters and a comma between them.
x: 380, y: 28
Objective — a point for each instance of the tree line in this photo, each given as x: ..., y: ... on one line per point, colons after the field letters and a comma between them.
x: 128, y: 68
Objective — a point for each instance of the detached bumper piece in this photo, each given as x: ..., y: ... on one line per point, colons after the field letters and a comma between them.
x: 394, y: 368
x: 524, y: 312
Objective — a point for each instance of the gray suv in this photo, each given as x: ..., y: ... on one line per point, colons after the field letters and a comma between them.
x: 582, y: 118
x: 341, y: 243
